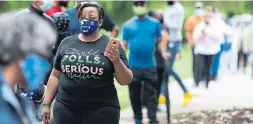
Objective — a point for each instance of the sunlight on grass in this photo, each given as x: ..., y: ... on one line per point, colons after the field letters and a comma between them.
x: 123, y: 95
x: 182, y: 66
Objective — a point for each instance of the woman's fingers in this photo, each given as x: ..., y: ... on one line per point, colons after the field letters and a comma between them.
x: 112, y: 52
x: 115, y: 49
x: 108, y: 54
x: 45, y: 117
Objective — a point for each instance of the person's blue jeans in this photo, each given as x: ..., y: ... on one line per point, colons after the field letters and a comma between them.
x: 173, y: 50
x: 216, y: 63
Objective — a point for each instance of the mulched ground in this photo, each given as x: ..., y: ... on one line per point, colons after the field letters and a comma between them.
x: 229, y: 116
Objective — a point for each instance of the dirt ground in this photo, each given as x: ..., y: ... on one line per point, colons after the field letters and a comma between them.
x: 229, y: 116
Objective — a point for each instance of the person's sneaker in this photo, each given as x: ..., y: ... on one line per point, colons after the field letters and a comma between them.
x: 162, y: 99
x: 187, y: 98
x: 138, y: 122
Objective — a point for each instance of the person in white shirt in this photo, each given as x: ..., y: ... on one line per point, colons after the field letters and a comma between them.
x: 173, y: 19
x: 220, y: 63
x: 208, y: 40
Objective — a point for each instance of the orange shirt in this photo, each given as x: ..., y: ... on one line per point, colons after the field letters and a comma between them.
x: 189, y: 26
x: 165, y: 36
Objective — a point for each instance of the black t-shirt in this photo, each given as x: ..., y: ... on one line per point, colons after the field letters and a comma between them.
x: 87, y: 75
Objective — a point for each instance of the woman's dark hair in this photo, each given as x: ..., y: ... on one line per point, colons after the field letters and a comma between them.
x: 100, y: 9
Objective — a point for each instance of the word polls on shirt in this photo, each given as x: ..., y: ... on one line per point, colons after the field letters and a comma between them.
x: 82, y: 65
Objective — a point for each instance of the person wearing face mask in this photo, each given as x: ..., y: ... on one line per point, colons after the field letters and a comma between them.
x: 83, y: 75
x: 39, y: 7
x: 19, y: 60
x: 57, y: 6
x: 208, y: 41
x: 189, y: 27
x: 173, y: 19
x: 108, y: 24
x: 142, y: 45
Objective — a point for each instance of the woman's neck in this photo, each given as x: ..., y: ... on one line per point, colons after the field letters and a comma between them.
x: 90, y: 38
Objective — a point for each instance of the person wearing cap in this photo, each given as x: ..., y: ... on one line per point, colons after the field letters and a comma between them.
x: 74, y: 26
x: 82, y: 80
x: 173, y: 19
x: 189, y: 27
x: 141, y: 42
x: 208, y: 41
x: 62, y: 22
x: 19, y: 60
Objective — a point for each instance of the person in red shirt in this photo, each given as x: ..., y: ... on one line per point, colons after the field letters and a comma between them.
x: 58, y: 6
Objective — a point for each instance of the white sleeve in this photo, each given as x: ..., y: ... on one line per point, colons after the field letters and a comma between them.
x: 197, y: 32
x: 166, y: 17
x: 217, y: 35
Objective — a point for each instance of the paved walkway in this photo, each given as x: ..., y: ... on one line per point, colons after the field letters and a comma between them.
x: 228, y: 92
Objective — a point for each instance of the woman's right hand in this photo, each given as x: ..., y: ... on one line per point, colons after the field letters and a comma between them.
x: 166, y: 55
x: 45, y: 114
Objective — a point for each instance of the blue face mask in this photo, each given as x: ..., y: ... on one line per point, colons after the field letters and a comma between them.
x: 88, y: 26
x: 47, y: 4
x: 35, y: 69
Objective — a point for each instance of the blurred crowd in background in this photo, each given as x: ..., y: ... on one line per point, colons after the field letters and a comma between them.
x: 221, y: 43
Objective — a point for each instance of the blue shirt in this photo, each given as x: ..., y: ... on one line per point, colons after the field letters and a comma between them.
x: 141, y: 35
x: 73, y: 27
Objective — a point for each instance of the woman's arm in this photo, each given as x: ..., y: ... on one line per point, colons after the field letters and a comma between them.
x: 122, y: 74
x: 198, y: 33
x: 52, y: 85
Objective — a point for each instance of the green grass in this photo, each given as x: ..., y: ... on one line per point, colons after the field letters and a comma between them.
x: 182, y: 66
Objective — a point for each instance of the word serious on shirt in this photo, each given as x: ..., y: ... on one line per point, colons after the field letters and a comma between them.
x: 82, y: 65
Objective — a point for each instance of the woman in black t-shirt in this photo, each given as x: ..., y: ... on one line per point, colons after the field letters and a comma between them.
x: 83, y: 74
